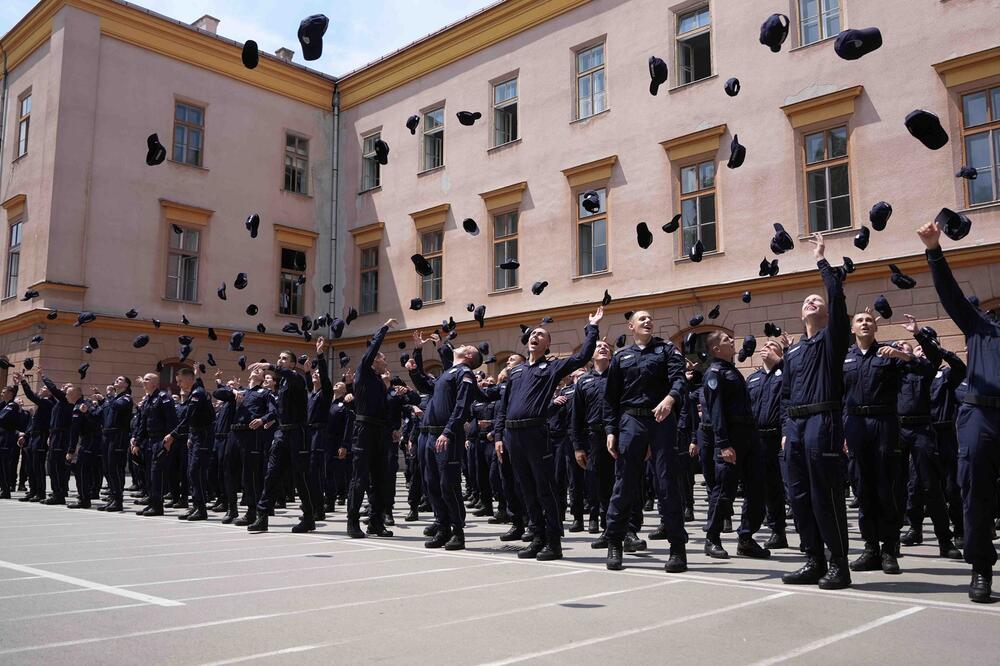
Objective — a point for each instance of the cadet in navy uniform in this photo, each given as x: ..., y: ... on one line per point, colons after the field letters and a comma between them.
x: 764, y: 387
x: 687, y: 449
x: 441, y: 440
x: 157, y: 418
x: 521, y: 433
x: 504, y: 468
x: 340, y: 426
x: 737, y: 450
x: 645, y: 389
x: 60, y: 438
x: 872, y: 377
x: 811, y: 393
x: 37, y: 438
x: 589, y: 440
x: 371, y: 437
x: 197, y: 426
x: 248, y: 443
x: 116, y: 417
x: 289, y: 449
x: 944, y: 407
x: 10, y: 413
x: 83, y: 450
x: 318, y: 412
x: 978, y: 420
x: 569, y: 475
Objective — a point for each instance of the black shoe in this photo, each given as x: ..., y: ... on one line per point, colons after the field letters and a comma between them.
x: 259, y: 525
x: 528, y: 536
x: 614, y: 556
x: 75, y: 505
x: 747, y: 547
x: 889, y: 563
x: 869, y: 560
x: 777, y: 540
x: 715, y: 550
x: 838, y: 575
x: 632, y: 543
x: 319, y: 517
x: 281, y: 505
x: 26, y: 498
x: 114, y: 507
x: 947, y: 549
x: 411, y: 516
x: 354, y: 529
x: 959, y: 540
x: 531, y: 552
x: 809, y: 574
x: 659, y: 534
x: 218, y: 507
x: 38, y: 498
x: 438, y: 540
x: 678, y: 561
x: 456, y: 542
x: 501, y: 517
x: 304, y: 526
x: 183, y: 504
x: 689, y: 515
x: 577, y: 525
x: 432, y: 530
x: 389, y: 520
x: 551, y: 551
x: 594, y: 525
x: 484, y: 512
x: 912, y: 537
x: 648, y: 506
x: 980, y: 589
x: 245, y: 519
x: 151, y: 511
x: 727, y: 526
x: 54, y: 501
x: 515, y: 533
x: 379, y: 531
x: 230, y: 518
x: 600, y: 542
x: 423, y: 508
x: 197, y: 515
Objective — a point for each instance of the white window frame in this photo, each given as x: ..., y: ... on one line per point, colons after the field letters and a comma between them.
x: 589, y: 75
x: 15, y: 234
x: 23, y: 124
x: 296, y: 160
x: 371, y: 173
x: 183, y: 268
x: 506, y: 127
x: 288, y: 279
x: 430, y: 132
x: 190, y: 128
x: 685, y: 73
x: 823, y: 20
x: 698, y: 195
x: 504, y: 280
x: 586, y: 219
x: 364, y: 271
x: 432, y: 256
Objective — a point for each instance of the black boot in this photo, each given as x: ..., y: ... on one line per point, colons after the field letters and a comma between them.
x: 870, y: 559
x: 187, y: 514
x: 197, y: 514
x: 577, y: 525
x: 689, y: 515
x: 838, y: 576
x: 749, y: 548
x: 389, y: 520
x: 648, y: 506
x: 889, y: 563
x: 230, y: 518
x: 912, y: 537
x: 980, y: 589
x: 114, y: 507
x: 594, y: 524
x: 551, y: 551
x: 678, y: 561
x: 777, y: 540
x: 809, y: 574
x: 659, y: 534
x: 528, y: 536
x: 319, y: 516
x: 438, y: 540
x: 304, y: 525
x: 411, y: 516
x: 151, y: 510
x: 727, y: 526
x: 379, y: 531
x: 614, y: 555
x: 501, y: 517
x: 531, y: 552
x: 632, y: 543
x: 246, y: 519
x: 456, y: 542
x: 600, y: 542
x: 714, y: 549
x: 354, y: 529
x: 948, y: 550
x: 259, y: 525
x: 486, y: 511
x: 82, y: 504
x: 432, y: 530
x: 515, y: 533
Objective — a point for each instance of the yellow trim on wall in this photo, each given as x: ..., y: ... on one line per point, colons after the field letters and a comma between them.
x: 30, y: 32
x: 482, y: 30
x: 504, y: 196
x: 186, y: 214
x: 591, y: 172
x: 695, y: 143
x: 60, y: 286
x: 15, y: 206
x: 430, y: 217
x: 370, y: 234
x: 969, y: 68
x: 294, y: 236
x: 822, y: 108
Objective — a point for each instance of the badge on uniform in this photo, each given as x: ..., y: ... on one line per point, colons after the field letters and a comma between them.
x: 659, y: 349
x: 713, y: 382
x: 542, y: 366
x: 777, y: 373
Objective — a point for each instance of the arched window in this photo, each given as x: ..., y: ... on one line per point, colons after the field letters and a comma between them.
x: 698, y: 353
x: 168, y: 375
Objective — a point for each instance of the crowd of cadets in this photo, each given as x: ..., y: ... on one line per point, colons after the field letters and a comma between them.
x: 592, y: 439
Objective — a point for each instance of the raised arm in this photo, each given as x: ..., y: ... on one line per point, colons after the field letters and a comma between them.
x: 56, y: 392
x: 957, y: 368
x: 586, y: 352
x: 961, y: 311
x: 375, y: 344
x: 28, y: 393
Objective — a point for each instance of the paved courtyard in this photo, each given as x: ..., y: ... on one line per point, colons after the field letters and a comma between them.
x: 83, y: 587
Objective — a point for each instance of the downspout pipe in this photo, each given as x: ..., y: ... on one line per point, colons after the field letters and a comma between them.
x: 334, y: 199
x: 3, y: 121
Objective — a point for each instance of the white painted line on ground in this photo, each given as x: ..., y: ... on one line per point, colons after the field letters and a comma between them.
x: 823, y: 642
x: 39, y: 616
x: 21, y: 527
x: 637, y: 630
x: 365, y: 579
x: 267, y: 616
x: 91, y: 585
x: 571, y: 600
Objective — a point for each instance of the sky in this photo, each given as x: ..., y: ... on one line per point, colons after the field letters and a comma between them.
x: 360, y: 30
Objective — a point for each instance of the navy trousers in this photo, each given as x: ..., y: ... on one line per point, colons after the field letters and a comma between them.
x: 442, y: 480
x: 880, y: 470
x: 289, y: 453
x: 115, y: 453
x: 200, y: 449
x: 748, y: 468
x: 927, y: 481
x: 368, y: 470
x: 531, y: 458
x: 600, y: 474
x: 978, y: 468
x: 774, y: 484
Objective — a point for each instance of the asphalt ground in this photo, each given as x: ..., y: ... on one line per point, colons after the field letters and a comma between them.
x: 84, y: 587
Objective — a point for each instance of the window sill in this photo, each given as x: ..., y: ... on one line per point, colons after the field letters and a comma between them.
x: 289, y: 316
x: 179, y: 300
x: 431, y: 304
x: 188, y: 166
x: 846, y: 231
x: 803, y: 47
x: 7, y: 299
x: 687, y: 260
x: 685, y: 86
x: 426, y: 172
x: 978, y: 207
x: 370, y: 190
x: 495, y: 149
x: 301, y: 195
x: 588, y: 276
x: 590, y: 117
x: 501, y: 292
x: 18, y: 159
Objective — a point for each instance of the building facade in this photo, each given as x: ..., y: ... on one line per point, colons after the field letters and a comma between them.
x: 563, y: 91
x: 90, y: 227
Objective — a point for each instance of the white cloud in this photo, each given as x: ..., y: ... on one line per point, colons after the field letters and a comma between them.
x: 360, y: 30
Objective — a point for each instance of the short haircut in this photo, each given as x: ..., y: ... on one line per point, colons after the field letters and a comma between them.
x: 128, y: 383
x: 11, y: 388
x: 475, y: 359
x: 712, y: 338
x: 185, y: 372
x: 289, y: 355
x: 518, y: 354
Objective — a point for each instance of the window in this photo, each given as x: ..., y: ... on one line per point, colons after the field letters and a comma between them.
x: 592, y: 236
x: 434, y: 139
x: 370, y: 174
x: 168, y: 375
x: 591, y: 88
x: 505, y: 112
x: 818, y: 19
x: 13, y: 259
x: 698, y: 206
x: 828, y: 189
x: 23, y: 123
x: 291, y: 297
x: 189, y: 133
x: 981, y: 134
x: 296, y: 163
x: 182, y: 264
x: 694, y: 46
x: 431, y: 246
x: 504, y: 249
x: 369, y: 280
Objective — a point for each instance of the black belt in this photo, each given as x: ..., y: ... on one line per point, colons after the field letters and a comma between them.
x: 915, y: 420
x: 155, y: 435
x: 361, y: 418
x: 871, y: 410
x: 519, y: 424
x: 768, y: 431
x: 239, y: 427
x: 639, y: 411
x: 705, y: 428
x: 37, y: 432
x: 941, y: 425
x: 291, y: 426
x: 991, y: 401
x: 108, y: 431
x: 317, y: 426
x: 799, y: 411
x: 431, y: 430
x: 597, y: 430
